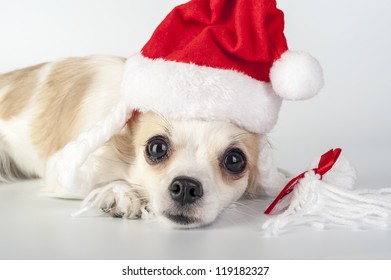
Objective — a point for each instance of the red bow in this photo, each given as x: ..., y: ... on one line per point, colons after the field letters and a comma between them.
x: 326, y: 162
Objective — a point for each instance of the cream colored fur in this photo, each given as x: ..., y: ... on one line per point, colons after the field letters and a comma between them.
x: 43, y: 108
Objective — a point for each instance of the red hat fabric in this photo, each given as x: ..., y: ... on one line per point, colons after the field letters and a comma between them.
x: 242, y: 35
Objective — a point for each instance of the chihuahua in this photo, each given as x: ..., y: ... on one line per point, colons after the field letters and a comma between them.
x: 183, y: 171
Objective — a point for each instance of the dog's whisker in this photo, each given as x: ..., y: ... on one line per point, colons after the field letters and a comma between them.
x: 233, y: 219
x: 241, y: 135
x: 243, y: 205
x: 241, y: 212
x: 227, y: 218
x: 116, y: 161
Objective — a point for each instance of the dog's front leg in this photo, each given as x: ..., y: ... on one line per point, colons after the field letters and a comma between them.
x: 119, y: 199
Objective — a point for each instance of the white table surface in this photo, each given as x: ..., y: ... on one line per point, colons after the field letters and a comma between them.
x: 34, y: 227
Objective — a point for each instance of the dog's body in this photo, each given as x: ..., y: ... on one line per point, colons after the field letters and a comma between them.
x: 185, y: 171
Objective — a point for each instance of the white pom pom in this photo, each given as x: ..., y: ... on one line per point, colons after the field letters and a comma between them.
x: 296, y: 75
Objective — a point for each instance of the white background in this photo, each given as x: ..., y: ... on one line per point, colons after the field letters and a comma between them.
x: 351, y: 39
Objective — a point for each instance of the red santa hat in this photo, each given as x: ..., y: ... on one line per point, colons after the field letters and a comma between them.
x: 209, y: 60
x: 221, y: 60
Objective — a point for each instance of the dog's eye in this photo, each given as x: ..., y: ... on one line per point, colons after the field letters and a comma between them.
x: 234, y: 161
x: 157, y: 149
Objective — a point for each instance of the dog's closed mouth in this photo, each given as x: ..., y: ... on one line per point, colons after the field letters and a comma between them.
x: 181, y: 219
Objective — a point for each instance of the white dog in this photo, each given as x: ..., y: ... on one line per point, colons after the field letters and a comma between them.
x: 184, y: 171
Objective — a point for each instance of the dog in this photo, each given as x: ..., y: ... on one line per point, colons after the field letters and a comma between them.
x: 183, y: 171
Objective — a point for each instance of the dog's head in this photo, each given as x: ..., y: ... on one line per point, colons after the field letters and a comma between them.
x: 191, y: 169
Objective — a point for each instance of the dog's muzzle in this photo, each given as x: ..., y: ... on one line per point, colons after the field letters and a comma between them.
x: 185, y: 190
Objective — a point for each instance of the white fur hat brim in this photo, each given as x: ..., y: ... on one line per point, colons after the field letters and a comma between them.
x: 187, y: 91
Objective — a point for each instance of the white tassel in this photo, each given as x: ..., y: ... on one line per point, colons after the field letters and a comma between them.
x: 72, y: 173
x: 331, y: 202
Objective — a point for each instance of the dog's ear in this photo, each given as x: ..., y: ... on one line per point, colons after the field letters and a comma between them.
x: 270, y: 179
x: 123, y: 145
x: 253, y: 189
x: 133, y: 117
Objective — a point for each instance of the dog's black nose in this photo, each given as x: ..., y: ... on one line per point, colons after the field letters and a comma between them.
x: 185, y: 190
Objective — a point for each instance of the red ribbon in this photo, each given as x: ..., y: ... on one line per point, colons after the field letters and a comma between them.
x: 326, y: 162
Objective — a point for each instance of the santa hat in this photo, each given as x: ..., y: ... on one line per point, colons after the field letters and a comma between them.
x: 209, y: 60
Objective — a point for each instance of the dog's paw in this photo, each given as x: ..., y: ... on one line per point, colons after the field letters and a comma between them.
x: 121, y: 200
